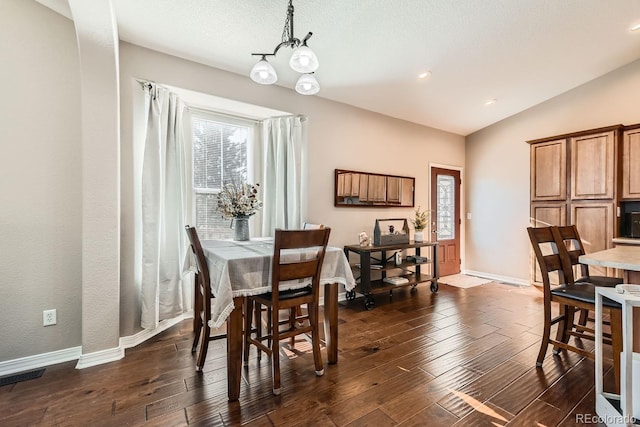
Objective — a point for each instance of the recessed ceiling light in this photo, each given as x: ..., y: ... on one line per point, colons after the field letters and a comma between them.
x: 424, y: 75
x: 490, y: 102
x: 635, y: 27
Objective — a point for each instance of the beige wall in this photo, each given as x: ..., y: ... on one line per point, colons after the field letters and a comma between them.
x: 497, y: 166
x: 340, y: 136
x: 40, y: 184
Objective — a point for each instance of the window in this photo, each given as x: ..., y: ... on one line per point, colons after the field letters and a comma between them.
x: 446, y: 207
x: 221, y: 154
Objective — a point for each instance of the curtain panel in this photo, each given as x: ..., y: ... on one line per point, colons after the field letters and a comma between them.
x: 164, y: 199
x: 283, y: 142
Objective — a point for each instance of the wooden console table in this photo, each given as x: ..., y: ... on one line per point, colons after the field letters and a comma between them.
x: 385, y: 264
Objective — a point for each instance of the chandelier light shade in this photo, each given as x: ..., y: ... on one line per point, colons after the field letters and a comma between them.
x: 264, y: 73
x: 303, y: 60
x: 307, y: 85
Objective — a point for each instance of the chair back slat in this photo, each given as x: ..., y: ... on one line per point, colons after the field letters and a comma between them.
x: 298, y: 270
x: 309, y: 265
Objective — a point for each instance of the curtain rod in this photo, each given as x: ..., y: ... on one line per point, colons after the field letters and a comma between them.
x: 235, y: 116
x: 222, y: 113
x: 146, y: 84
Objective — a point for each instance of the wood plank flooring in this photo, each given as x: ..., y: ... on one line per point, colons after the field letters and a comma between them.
x: 461, y: 357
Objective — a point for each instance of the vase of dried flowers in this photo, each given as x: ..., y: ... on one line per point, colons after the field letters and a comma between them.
x: 239, y: 202
x: 420, y: 222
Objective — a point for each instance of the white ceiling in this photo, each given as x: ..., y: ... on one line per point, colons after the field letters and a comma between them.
x: 520, y: 52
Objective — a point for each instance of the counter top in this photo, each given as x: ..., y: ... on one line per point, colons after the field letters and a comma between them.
x: 626, y: 241
x: 626, y: 257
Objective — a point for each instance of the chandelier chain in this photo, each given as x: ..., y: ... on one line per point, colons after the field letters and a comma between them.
x: 287, y: 34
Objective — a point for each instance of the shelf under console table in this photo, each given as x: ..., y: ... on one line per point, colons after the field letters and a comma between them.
x: 380, y: 260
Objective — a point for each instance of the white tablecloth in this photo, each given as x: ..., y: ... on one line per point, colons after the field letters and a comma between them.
x: 244, y: 268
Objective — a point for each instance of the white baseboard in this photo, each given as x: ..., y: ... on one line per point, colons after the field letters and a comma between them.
x: 145, y: 334
x: 504, y: 279
x: 100, y: 357
x: 86, y: 360
x: 39, y: 360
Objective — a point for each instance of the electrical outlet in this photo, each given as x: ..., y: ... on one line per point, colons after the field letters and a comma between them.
x: 49, y: 317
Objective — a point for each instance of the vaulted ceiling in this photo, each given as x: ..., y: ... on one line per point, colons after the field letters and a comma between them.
x: 516, y: 52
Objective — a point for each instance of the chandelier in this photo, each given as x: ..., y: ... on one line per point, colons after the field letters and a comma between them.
x: 302, y: 60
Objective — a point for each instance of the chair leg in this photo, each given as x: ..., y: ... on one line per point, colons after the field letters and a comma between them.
x: 292, y: 324
x: 545, y: 334
x: 299, y: 313
x: 248, y: 315
x: 315, y: 338
x: 269, y: 320
x: 564, y: 323
x: 204, y: 346
x: 584, y: 316
x: 197, y: 329
x: 275, y: 351
x: 616, y: 343
x: 197, y: 310
x: 257, y: 313
x: 568, y: 324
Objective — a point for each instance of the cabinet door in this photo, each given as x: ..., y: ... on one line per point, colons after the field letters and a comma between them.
x: 340, y: 186
x: 595, y: 222
x: 364, y: 187
x: 377, y: 191
x: 549, y: 171
x: 407, y: 192
x: 593, y: 166
x: 394, y: 190
x: 544, y: 215
x: 630, y: 164
x: 355, y: 185
x: 347, y: 184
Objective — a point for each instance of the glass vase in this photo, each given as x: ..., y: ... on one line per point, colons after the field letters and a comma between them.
x: 241, y: 228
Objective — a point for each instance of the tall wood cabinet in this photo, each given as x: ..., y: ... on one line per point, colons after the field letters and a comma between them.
x: 549, y: 170
x: 575, y: 180
x: 631, y: 163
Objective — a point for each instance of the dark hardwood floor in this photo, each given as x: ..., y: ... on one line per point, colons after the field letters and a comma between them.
x: 463, y: 357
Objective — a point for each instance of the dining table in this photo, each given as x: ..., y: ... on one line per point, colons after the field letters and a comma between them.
x: 627, y: 259
x: 242, y: 268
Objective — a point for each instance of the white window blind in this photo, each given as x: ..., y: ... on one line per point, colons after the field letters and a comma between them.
x: 221, y: 150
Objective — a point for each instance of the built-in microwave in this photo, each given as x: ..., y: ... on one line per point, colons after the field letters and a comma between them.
x: 632, y: 224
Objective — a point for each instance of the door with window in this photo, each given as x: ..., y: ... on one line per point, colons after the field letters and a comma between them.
x: 445, y: 218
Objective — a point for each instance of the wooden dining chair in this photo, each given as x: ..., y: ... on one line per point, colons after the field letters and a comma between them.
x: 575, y: 247
x: 202, y: 301
x: 313, y: 244
x: 570, y: 296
